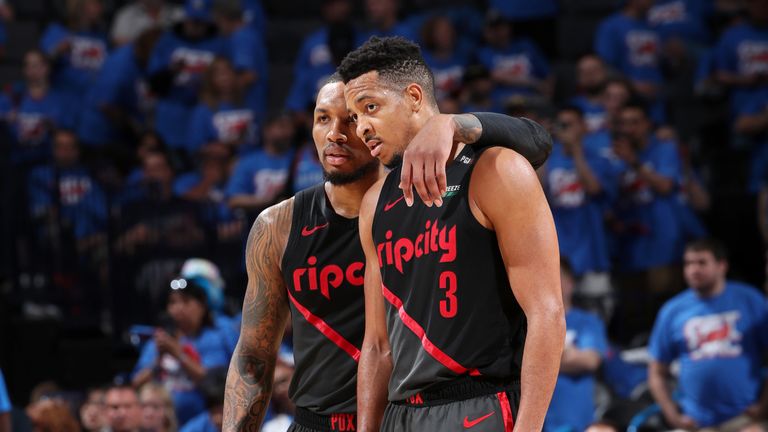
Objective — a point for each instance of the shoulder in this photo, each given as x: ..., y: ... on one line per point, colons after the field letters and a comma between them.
x: 371, y: 198
x: 277, y: 214
x: 500, y: 163
x: 746, y: 291
x: 677, y: 304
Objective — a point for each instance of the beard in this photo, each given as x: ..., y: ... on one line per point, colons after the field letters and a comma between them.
x: 396, y: 161
x: 339, y: 179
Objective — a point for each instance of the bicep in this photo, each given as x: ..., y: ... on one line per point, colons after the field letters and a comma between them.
x: 511, y: 197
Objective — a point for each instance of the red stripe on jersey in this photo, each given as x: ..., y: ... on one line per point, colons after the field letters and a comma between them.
x: 418, y: 330
x: 326, y: 330
x: 506, y: 411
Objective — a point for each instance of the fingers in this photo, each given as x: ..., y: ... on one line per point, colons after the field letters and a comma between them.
x: 405, y: 180
x: 431, y: 184
x: 442, y: 179
x: 420, y: 185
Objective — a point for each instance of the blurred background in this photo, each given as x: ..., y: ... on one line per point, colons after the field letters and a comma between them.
x: 140, y: 139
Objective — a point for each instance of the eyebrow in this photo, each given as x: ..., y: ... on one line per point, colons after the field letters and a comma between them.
x: 321, y: 110
x: 362, y: 98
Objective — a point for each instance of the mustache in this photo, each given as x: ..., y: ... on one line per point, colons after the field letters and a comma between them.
x: 367, y: 138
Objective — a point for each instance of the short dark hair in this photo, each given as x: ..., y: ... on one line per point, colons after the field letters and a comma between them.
x: 638, y: 104
x: 396, y: 59
x: 213, y: 385
x: 335, y: 78
x: 716, y: 247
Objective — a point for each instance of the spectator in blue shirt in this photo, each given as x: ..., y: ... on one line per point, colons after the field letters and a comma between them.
x: 626, y: 42
x: 118, y: 104
x: 573, y: 401
x: 319, y: 55
x: 533, y: 19
x: 516, y: 65
x: 176, y: 67
x: 591, y: 78
x: 260, y: 178
x: 477, y: 91
x: 247, y: 52
x: 578, y: 181
x: 38, y: 111
x: 64, y: 197
x: 212, y: 388
x: 382, y: 19
x: 138, y: 16
x: 222, y: 116
x: 5, y: 406
x: 445, y: 54
x: 718, y: 332
x: 77, y: 50
x: 646, y: 225
x: 306, y: 170
x: 741, y: 55
x: 180, y: 356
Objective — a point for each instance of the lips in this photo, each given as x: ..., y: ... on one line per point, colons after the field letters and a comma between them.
x: 374, y: 146
x: 336, y: 156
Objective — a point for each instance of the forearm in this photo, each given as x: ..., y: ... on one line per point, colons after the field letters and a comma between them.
x: 660, y: 184
x: 541, y: 363
x: 751, y: 124
x: 486, y: 129
x: 247, y: 202
x: 373, y: 376
x: 580, y: 361
x: 248, y: 389
x: 195, y: 370
x: 586, y: 176
x: 657, y: 383
x: 142, y: 377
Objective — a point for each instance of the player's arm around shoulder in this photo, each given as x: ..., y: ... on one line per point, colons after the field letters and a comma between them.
x: 265, y: 313
x: 506, y: 196
x: 375, y: 365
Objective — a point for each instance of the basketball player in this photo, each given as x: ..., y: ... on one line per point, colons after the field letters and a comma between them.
x: 304, y: 257
x: 473, y: 328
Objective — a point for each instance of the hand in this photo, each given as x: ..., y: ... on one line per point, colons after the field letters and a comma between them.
x: 624, y: 151
x: 167, y: 343
x: 63, y: 47
x: 424, y: 161
x: 679, y: 420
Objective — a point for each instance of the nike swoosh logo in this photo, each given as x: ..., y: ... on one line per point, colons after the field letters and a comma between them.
x: 469, y: 424
x: 393, y: 203
x: 307, y: 231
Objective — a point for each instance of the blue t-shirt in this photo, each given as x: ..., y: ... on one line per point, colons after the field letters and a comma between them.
x: 683, y: 19
x: 82, y: 203
x: 719, y: 342
x: 34, y: 121
x: 249, y: 53
x: 630, y: 46
x: 314, y: 64
x: 75, y: 72
x: 173, y: 111
x: 227, y: 123
x: 308, y: 170
x: 215, y: 210
x: 652, y: 233
x: 260, y: 174
x: 594, y: 113
x: 578, y: 216
x: 573, y: 404
x: 5, y: 401
x: 520, y: 10
x: 521, y: 58
x: 200, y: 423
x: 743, y: 50
x: 122, y: 84
x: 210, y: 348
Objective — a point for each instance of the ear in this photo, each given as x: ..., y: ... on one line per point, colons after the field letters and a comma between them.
x: 414, y: 95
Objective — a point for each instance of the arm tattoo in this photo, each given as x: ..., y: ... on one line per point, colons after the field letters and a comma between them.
x: 468, y: 128
x: 265, y: 311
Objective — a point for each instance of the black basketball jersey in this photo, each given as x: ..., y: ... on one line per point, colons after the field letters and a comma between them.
x: 450, y: 308
x: 323, y: 268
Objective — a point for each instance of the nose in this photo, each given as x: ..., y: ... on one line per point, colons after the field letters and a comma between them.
x: 335, y: 134
x: 363, y: 128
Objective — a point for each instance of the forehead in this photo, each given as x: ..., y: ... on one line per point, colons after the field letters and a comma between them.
x: 699, y: 255
x: 331, y: 96
x: 366, y: 85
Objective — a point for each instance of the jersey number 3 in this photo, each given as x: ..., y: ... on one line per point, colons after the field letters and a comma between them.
x: 449, y: 304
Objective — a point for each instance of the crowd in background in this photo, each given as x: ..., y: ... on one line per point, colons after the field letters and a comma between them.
x: 141, y: 136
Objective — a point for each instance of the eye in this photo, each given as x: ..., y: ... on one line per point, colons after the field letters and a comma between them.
x: 371, y: 107
x: 353, y: 118
x: 322, y: 119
